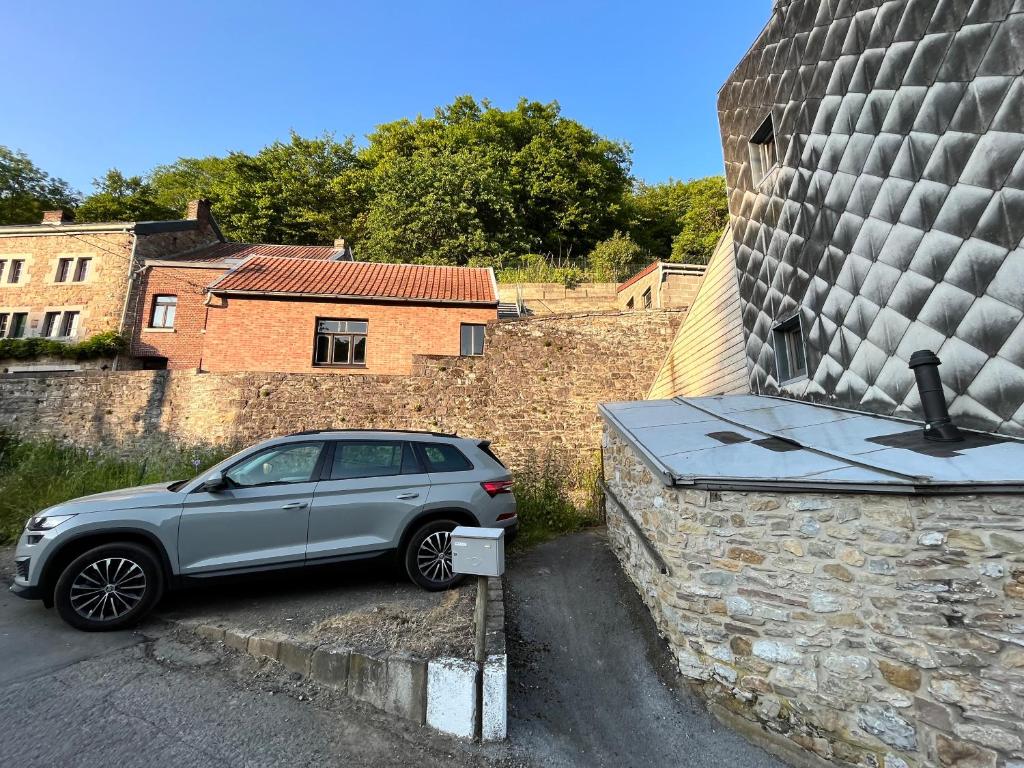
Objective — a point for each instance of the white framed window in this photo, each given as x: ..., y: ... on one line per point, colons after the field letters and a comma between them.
x: 82, y: 269
x: 60, y: 325
x: 165, y: 307
x: 69, y: 325
x: 14, y: 328
x: 764, y: 153
x: 14, y: 270
x: 63, y: 270
x: 471, y: 340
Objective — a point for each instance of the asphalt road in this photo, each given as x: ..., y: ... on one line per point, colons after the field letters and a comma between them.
x: 156, y: 697
x: 591, y: 684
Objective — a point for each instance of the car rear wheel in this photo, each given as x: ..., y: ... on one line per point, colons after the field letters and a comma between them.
x: 428, y: 556
x: 110, y: 587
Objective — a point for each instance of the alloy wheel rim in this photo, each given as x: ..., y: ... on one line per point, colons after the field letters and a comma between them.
x: 434, y: 558
x: 107, y: 589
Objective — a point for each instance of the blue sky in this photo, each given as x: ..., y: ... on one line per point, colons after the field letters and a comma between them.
x: 90, y: 85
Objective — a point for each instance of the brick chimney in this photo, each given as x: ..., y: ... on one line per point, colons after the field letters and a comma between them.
x: 58, y: 217
x: 199, y: 210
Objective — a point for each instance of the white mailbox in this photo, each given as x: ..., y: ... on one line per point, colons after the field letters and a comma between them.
x: 478, y: 551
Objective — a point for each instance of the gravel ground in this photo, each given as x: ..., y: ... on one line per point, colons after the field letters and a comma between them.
x: 369, y: 606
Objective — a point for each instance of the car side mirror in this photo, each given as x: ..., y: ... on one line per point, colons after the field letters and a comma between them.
x: 213, y: 483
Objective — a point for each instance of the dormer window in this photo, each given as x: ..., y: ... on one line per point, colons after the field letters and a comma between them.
x: 764, y: 154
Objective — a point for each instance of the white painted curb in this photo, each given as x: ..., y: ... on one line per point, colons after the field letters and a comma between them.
x: 494, y: 725
x: 451, y: 696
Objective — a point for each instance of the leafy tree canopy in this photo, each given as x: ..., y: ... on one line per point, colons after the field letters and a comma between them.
x: 681, y: 220
x: 295, y: 192
x: 702, y: 225
x: 123, y: 198
x: 470, y: 184
x: 26, y: 190
x: 477, y: 184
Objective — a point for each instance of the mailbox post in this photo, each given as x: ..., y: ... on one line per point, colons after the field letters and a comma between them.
x: 479, y: 552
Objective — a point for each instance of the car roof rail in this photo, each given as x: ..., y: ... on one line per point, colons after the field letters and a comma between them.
x: 367, y: 429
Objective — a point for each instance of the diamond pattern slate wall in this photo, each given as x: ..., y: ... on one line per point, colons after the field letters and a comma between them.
x: 894, y: 221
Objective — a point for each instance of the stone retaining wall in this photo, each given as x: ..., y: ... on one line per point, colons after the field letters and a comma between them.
x: 535, y: 389
x: 460, y: 697
x: 869, y: 630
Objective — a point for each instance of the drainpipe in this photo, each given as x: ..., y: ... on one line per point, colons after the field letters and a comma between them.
x: 128, y: 293
x: 938, y: 425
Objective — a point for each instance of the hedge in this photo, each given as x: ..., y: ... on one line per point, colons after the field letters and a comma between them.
x: 106, y: 344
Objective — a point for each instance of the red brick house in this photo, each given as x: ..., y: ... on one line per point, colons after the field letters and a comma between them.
x: 170, y: 306
x: 307, y: 309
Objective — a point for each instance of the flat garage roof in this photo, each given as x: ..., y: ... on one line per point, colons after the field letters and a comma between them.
x: 752, y: 442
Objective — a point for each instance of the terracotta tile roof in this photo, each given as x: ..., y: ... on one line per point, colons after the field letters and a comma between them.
x: 220, y: 252
x: 642, y: 273
x: 413, y: 282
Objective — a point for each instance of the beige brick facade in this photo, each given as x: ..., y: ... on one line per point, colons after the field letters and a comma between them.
x: 100, y: 297
x: 89, y: 269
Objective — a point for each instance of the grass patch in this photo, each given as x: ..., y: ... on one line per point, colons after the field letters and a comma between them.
x: 37, y: 475
x: 557, y: 495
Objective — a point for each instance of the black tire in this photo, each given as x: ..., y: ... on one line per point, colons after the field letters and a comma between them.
x: 421, y: 562
x: 109, y: 587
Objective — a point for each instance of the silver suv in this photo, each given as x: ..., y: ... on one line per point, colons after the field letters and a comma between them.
x: 307, y: 499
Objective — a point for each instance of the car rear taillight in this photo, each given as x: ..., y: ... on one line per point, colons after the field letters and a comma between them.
x: 494, y: 487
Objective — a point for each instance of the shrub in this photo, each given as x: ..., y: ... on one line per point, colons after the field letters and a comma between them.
x: 615, y: 259
x: 106, y: 344
x: 536, y: 268
x: 37, y: 475
x: 557, y: 494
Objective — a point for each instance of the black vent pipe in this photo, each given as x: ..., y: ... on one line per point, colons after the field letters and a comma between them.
x: 938, y: 426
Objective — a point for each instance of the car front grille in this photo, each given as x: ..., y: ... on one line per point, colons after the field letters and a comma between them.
x: 21, y: 567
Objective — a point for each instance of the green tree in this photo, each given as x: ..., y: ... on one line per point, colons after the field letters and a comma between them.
x: 703, y: 222
x: 614, y: 259
x: 477, y: 184
x: 655, y: 215
x: 297, y: 192
x: 681, y: 220
x: 26, y: 190
x: 124, y: 198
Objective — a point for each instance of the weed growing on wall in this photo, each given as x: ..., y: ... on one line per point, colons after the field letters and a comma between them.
x: 37, y: 475
x: 557, y: 494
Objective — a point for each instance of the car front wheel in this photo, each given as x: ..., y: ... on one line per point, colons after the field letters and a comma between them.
x: 428, y: 556
x: 110, y: 587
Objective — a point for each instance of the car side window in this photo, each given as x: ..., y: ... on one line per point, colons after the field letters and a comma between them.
x: 442, y: 457
x: 288, y: 463
x: 372, y: 458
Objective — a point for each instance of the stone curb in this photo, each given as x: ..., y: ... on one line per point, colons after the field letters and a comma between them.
x: 442, y: 693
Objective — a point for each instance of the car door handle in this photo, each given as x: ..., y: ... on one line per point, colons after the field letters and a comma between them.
x: 407, y: 496
x: 295, y: 505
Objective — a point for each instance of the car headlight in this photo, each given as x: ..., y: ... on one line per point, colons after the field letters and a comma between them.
x: 46, y: 522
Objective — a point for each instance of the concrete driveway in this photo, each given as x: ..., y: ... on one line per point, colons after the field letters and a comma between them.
x: 591, y: 684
